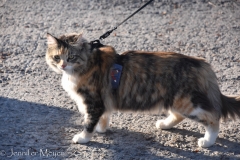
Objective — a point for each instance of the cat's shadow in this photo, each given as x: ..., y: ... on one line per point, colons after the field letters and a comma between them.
x: 139, y: 145
x: 224, y: 142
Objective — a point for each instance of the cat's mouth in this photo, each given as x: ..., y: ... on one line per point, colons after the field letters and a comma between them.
x: 65, y: 68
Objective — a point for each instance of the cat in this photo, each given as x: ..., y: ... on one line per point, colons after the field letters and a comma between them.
x: 184, y: 86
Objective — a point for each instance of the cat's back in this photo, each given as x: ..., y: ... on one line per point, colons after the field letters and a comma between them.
x: 159, y: 54
x: 162, y: 59
x: 149, y: 77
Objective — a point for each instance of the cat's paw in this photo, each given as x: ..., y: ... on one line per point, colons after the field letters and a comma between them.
x: 100, y: 129
x: 81, y: 138
x: 160, y: 124
x: 202, y: 142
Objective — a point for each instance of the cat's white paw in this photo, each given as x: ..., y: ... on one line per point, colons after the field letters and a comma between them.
x: 202, y: 142
x: 160, y: 124
x: 81, y: 138
x: 100, y: 129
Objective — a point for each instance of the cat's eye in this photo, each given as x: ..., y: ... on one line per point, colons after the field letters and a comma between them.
x: 56, y: 57
x: 71, y: 56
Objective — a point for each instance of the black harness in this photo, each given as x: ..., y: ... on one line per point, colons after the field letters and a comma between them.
x: 116, y: 69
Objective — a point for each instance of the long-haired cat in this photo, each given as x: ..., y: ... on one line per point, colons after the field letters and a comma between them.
x: 184, y: 86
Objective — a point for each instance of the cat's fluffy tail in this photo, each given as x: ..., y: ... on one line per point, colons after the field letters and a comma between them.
x: 230, y: 106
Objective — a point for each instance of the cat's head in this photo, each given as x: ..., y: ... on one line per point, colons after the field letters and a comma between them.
x: 68, y: 53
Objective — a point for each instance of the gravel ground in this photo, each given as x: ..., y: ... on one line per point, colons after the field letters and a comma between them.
x: 38, y: 119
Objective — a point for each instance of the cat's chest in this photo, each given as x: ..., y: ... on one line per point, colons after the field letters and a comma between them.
x: 69, y: 84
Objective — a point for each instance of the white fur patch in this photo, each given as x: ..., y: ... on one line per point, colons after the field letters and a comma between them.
x: 69, y: 84
x: 196, y: 112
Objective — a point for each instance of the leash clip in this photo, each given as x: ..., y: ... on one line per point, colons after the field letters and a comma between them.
x: 96, y: 44
x: 105, y: 35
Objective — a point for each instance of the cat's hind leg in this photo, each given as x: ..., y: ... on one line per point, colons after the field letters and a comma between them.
x: 173, y: 119
x: 103, y: 123
x: 181, y: 106
x: 211, y: 134
x: 211, y: 124
x: 192, y: 108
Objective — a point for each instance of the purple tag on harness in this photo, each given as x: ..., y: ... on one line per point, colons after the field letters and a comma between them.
x: 116, y: 75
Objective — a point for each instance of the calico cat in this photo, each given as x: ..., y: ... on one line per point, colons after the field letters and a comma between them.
x: 184, y: 86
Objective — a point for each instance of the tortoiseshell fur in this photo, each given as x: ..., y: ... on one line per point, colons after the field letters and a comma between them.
x: 151, y: 81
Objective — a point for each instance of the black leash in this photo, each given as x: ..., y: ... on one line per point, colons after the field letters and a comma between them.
x: 97, y: 44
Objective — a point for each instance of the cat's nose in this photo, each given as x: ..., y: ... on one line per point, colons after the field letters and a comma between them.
x: 63, y: 66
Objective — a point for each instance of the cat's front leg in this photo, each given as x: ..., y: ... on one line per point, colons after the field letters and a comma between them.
x: 94, y: 110
x: 103, y: 123
x: 83, y: 137
x: 90, y: 121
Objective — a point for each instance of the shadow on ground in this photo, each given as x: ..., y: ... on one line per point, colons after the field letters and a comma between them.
x: 32, y: 128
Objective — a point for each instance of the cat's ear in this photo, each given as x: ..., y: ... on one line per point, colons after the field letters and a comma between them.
x: 51, y: 40
x: 80, y: 39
